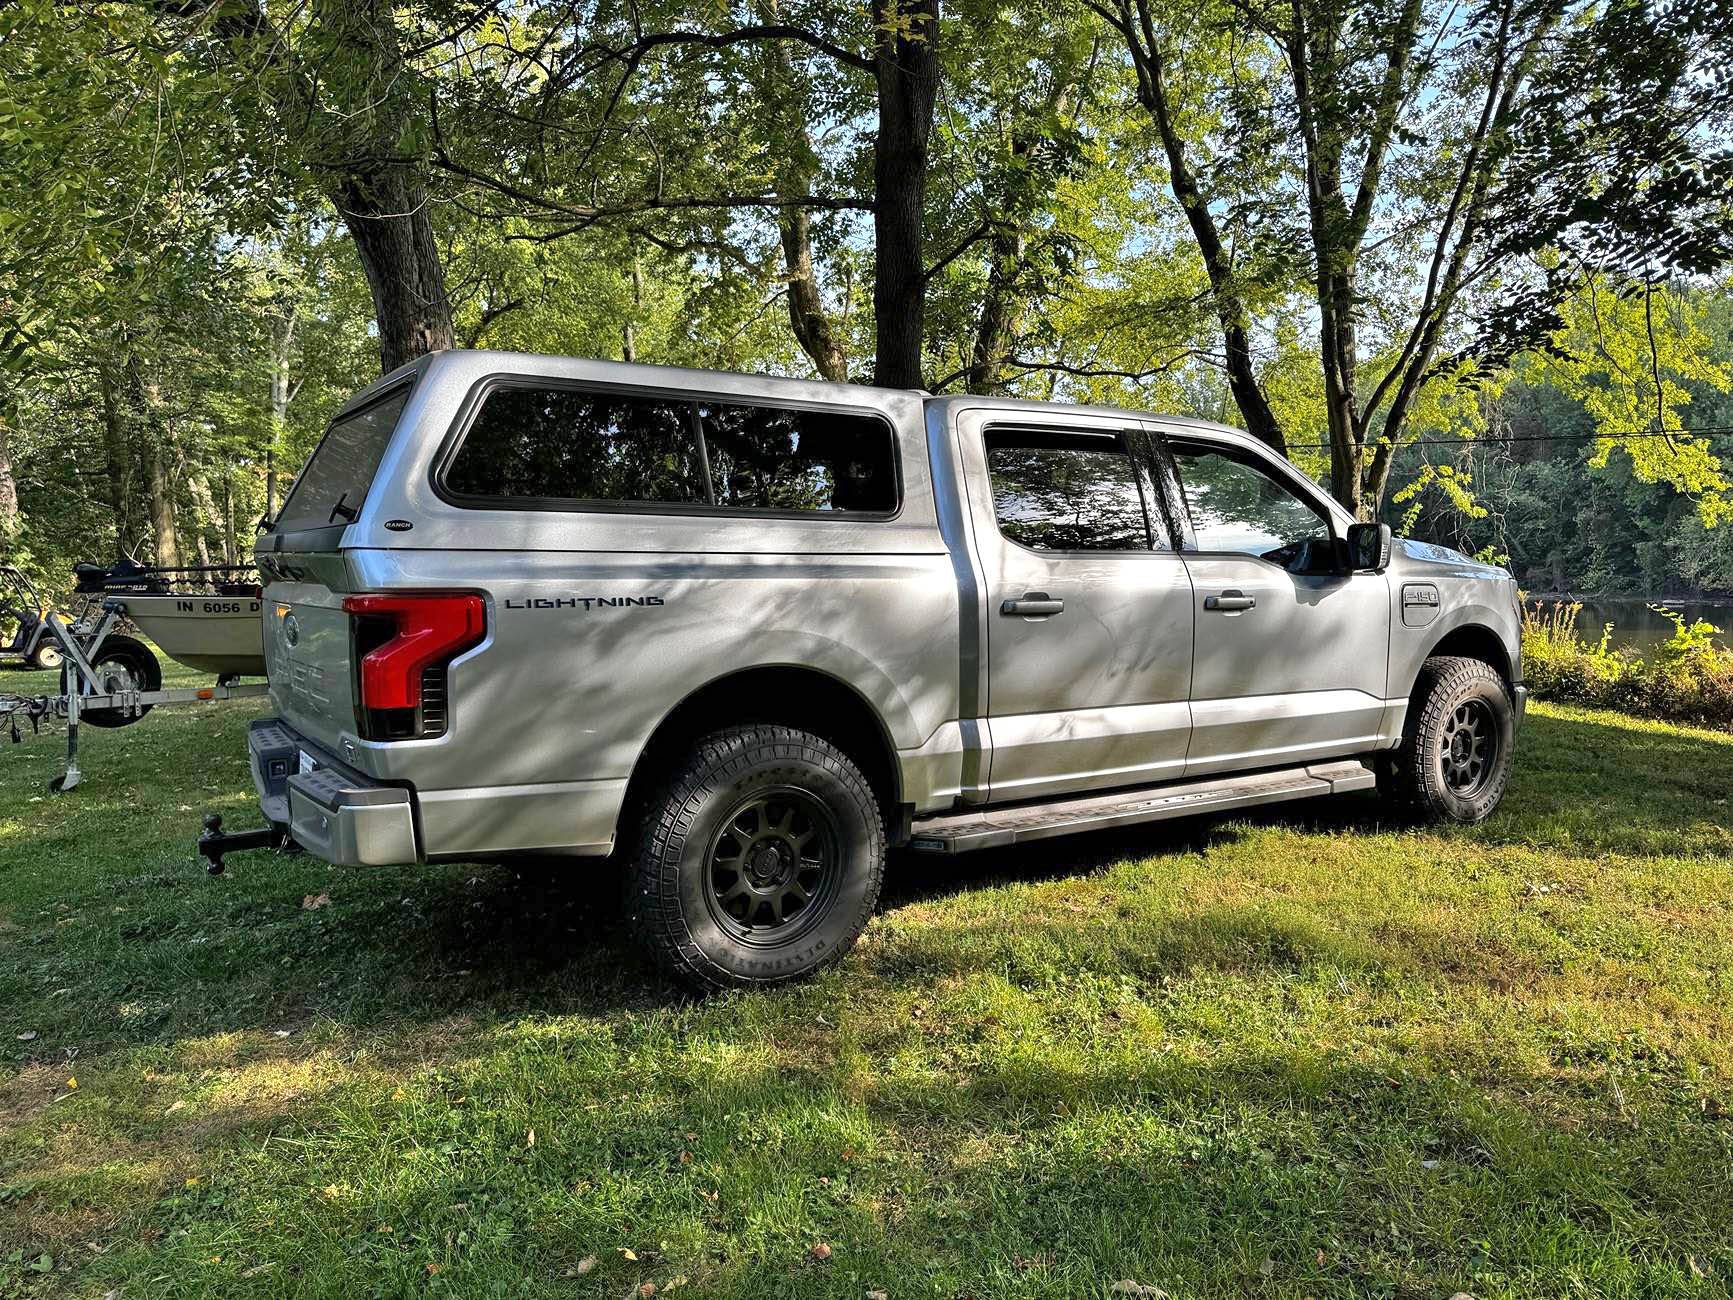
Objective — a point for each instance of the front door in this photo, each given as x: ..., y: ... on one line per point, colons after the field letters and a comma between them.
x: 1291, y: 654
x: 1088, y: 607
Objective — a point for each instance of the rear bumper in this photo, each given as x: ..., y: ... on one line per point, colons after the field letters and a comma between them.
x: 332, y: 811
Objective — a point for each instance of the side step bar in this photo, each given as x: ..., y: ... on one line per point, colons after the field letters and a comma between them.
x: 995, y: 828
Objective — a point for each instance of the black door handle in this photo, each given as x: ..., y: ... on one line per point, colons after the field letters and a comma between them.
x: 1230, y: 602
x: 1033, y: 604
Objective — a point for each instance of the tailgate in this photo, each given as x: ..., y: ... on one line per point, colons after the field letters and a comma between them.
x: 307, y: 655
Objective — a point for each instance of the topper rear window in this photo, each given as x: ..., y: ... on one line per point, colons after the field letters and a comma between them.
x: 334, y: 482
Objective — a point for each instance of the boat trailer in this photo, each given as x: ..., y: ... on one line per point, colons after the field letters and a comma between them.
x: 110, y: 679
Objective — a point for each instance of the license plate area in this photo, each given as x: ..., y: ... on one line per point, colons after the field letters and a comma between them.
x: 305, y: 762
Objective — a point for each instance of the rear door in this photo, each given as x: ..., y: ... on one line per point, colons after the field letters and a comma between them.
x: 1290, y: 654
x: 306, y: 634
x: 1088, y: 606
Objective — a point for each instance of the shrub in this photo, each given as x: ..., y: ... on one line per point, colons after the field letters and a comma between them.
x: 1689, y: 678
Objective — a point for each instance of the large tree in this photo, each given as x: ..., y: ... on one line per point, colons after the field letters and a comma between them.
x: 633, y: 121
x: 1438, y: 177
x: 333, y: 90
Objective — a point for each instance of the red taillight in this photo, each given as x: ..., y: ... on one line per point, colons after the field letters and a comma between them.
x: 420, y: 630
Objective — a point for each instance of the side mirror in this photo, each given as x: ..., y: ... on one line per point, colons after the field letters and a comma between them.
x: 1369, y: 547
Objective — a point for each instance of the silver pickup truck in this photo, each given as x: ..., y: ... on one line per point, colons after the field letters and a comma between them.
x: 727, y: 637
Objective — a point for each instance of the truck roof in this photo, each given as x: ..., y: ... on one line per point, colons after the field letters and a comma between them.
x: 470, y: 364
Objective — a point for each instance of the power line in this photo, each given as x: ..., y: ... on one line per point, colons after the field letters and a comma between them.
x: 1708, y: 431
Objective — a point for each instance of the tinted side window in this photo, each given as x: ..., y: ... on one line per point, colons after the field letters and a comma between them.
x: 566, y: 444
x: 770, y: 458
x: 1057, y: 494
x: 1236, y: 506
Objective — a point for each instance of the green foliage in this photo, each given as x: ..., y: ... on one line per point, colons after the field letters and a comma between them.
x: 1689, y: 678
x: 1634, y: 361
x: 1307, y: 1052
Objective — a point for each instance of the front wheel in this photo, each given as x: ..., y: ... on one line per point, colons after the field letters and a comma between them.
x: 123, y: 664
x: 1458, y: 743
x: 760, y: 860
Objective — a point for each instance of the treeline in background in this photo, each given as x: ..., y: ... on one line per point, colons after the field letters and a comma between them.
x: 1467, y: 265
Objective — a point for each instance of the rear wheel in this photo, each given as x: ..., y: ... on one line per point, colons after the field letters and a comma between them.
x: 1458, y: 743
x: 46, y: 656
x: 123, y: 664
x: 760, y: 859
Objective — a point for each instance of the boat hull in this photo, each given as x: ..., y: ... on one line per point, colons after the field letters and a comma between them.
x: 215, y: 634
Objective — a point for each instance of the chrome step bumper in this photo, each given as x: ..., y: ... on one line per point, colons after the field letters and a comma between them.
x: 1016, y: 823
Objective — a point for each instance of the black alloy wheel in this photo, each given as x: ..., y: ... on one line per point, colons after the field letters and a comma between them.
x: 774, y: 863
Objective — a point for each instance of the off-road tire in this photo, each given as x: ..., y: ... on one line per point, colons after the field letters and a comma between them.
x: 690, y: 825
x: 1434, y: 775
x: 134, y: 658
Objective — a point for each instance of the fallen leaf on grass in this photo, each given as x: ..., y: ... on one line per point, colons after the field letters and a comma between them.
x: 1697, y: 1269
x: 586, y: 1264
x: 314, y: 901
x: 877, y: 1295
x: 1127, y: 1287
x: 647, y: 1290
x: 628, y: 1252
x: 821, y: 1251
x: 72, y: 1082
x: 29, y: 1035
x: 179, y: 1105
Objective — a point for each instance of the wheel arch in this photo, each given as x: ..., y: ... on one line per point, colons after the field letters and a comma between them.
x: 1476, y: 641
x: 793, y: 695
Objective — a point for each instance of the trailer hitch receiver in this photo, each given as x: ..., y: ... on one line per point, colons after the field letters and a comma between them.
x: 216, y: 843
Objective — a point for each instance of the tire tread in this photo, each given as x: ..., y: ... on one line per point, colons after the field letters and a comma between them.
x: 653, y: 903
x: 1440, y: 675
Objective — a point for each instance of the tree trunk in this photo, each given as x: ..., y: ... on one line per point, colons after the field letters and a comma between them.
x: 282, y: 392
x: 1001, y: 314
x: 231, y: 540
x: 629, y: 331
x: 205, y: 513
x: 8, y: 485
x: 118, y: 427
x: 1147, y: 59
x: 159, y: 483
x: 155, y: 450
x: 385, y: 208
x: 806, y: 314
x: 907, y: 68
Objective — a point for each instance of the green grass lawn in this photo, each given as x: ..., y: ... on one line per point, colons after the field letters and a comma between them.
x: 1306, y: 1053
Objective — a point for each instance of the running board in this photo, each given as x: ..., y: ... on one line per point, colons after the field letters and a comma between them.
x: 997, y: 827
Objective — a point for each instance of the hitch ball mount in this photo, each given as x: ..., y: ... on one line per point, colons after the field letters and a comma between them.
x: 216, y: 843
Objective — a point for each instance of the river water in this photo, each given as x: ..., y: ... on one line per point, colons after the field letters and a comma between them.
x: 1640, y: 627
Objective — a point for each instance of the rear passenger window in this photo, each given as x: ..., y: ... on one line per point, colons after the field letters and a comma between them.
x: 775, y: 458
x: 1058, y: 493
x: 567, y: 444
